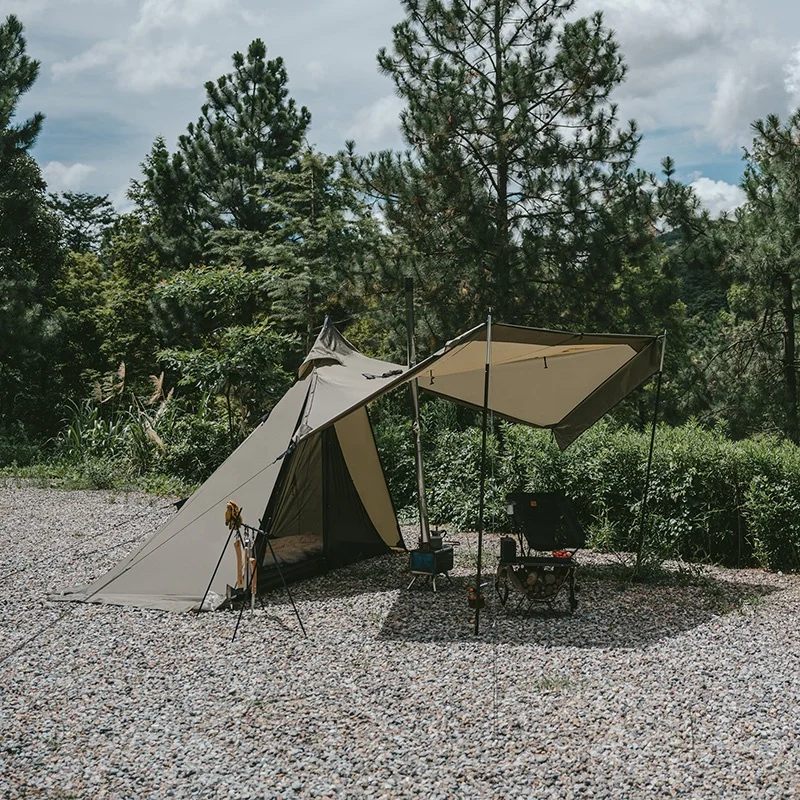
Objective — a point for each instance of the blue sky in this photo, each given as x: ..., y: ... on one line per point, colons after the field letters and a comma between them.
x: 117, y: 73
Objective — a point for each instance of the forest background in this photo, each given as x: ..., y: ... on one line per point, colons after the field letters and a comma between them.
x: 140, y: 348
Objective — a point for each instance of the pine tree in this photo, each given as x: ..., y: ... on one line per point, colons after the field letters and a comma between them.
x: 766, y: 263
x: 516, y: 190
x: 320, y: 246
x: 18, y: 73
x: 85, y: 219
x: 218, y: 178
x: 131, y: 272
x: 30, y: 254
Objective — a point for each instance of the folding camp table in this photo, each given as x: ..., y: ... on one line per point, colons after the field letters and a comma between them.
x: 546, y: 522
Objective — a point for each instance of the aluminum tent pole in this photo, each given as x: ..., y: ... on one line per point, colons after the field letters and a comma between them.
x: 640, y: 544
x: 424, y: 530
x: 482, y: 507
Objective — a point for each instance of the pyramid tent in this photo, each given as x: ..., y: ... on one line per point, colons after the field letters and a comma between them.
x: 311, y: 471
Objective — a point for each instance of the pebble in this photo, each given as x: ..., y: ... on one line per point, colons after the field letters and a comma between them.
x: 678, y: 688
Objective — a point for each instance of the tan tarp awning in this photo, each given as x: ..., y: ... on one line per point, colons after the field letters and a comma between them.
x: 549, y: 379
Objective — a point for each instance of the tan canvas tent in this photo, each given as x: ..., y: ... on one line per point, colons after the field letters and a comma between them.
x: 311, y: 472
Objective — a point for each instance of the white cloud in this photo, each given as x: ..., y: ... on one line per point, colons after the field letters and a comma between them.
x: 156, y: 52
x: 791, y: 80
x: 745, y: 91
x: 314, y: 74
x: 172, y: 15
x: 98, y: 55
x: 376, y: 121
x: 718, y: 196
x: 711, y: 67
x: 170, y: 66
x: 31, y: 9
x: 63, y: 178
x: 657, y: 31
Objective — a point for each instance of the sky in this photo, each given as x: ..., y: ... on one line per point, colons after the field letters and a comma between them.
x: 115, y: 74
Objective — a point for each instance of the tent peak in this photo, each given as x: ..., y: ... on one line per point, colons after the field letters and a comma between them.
x: 329, y: 348
x: 332, y: 349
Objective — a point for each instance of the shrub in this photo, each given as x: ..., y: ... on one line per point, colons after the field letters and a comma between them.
x: 710, y: 498
x: 101, y: 473
x: 197, y: 445
x: 771, y: 503
x: 17, y: 448
x: 394, y: 443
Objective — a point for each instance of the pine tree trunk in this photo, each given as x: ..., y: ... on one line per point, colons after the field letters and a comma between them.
x: 789, y: 355
x: 502, y: 266
x: 309, y: 319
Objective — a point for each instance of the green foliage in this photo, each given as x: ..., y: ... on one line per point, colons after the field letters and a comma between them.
x: 115, y: 433
x: 394, y: 443
x: 322, y: 244
x: 219, y: 177
x: 221, y: 343
x: 198, y: 444
x: 759, y: 337
x: 125, y: 316
x: 79, y: 298
x: 18, y: 73
x: 85, y: 219
x: 710, y: 499
x: 121, y: 439
x: 199, y: 301
x: 30, y: 254
x: 773, y: 509
x: 17, y: 449
x: 455, y: 463
x: 244, y: 359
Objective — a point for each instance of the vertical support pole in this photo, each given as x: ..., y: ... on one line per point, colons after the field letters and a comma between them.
x: 640, y: 543
x: 424, y: 530
x: 482, y: 506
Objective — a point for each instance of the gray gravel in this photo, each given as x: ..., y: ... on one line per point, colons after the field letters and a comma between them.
x: 682, y: 689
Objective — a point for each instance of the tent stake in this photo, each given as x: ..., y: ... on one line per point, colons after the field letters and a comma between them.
x: 482, y: 507
x: 640, y: 543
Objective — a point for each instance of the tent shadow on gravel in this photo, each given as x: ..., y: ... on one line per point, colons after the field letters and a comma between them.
x: 608, y: 614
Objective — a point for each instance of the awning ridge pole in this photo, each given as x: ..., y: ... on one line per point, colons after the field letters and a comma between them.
x: 424, y: 530
x: 482, y: 506
x: 640, y: 544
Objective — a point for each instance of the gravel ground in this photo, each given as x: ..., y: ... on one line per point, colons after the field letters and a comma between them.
x: 684, y: 689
